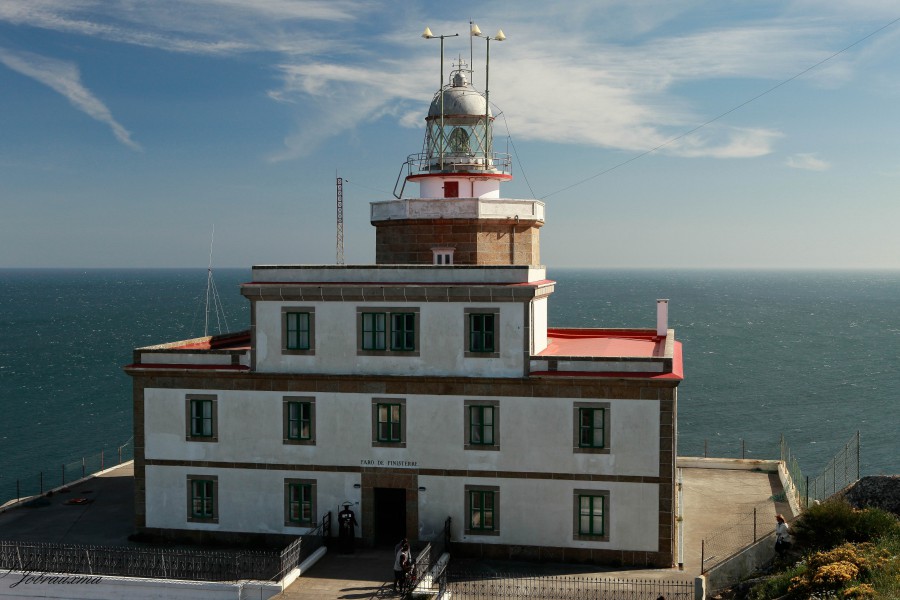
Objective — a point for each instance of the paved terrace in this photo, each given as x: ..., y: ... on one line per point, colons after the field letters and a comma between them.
x: 713, y: 498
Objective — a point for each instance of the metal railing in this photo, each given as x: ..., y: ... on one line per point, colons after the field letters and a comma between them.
x: 428, y: 557
x: 512, y: 587
x: 301, y: 548
x: 154, y: 563
x: 191, y: 564
x: 66, y: 473
x: 841, y: 471
x: 755, y: 524
x: 745, y: 529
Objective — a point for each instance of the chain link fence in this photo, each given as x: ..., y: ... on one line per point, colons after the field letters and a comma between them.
x: 748, y: 527
x: 65, y: 473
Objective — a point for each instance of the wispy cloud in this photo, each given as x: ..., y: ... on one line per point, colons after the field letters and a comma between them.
x: 807, y: 162
x: 64, y: 78
x: 558, y: 79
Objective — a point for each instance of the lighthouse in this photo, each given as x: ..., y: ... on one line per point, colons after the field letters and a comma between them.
x: 428, y: 391
x: 460, y: 216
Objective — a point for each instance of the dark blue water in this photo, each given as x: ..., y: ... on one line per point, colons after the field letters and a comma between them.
x: 812, y: 355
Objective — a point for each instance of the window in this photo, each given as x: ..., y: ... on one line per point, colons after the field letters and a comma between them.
x: 201, y: 418
x: 451, y: 189
x: 373, y: 337
x: 389, y: 422
x: 298, y: 330
x: 482, y: 424
x: 299, y: 415
x: 300, y: 502
x: 591, y: 509
x: 481, y: 332
x: 403, y: 332
x: 443, y: 256
x: 387, y: 331
x: 202, y: 497
x: 482, y: 510
x: 591, y: 427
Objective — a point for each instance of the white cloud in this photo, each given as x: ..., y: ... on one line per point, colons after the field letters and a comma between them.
x: 65, y: 79
x: 807, y: 162
x: 559, y: 78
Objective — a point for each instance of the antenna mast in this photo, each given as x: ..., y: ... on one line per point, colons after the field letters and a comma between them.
x: 340, y: 221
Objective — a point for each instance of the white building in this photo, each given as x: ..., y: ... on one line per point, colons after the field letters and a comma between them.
x: 425, y: 386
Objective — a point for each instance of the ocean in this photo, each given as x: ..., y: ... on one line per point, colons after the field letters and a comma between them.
x: 812, y: 355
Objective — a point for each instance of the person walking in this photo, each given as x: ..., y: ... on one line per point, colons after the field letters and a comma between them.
x: 782, y: 535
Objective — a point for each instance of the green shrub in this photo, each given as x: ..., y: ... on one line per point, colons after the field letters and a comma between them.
x: 834, y: 522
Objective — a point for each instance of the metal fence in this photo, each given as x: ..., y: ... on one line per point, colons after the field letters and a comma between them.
x: 192, y: 564
x: 757, y: 523
x: 68, y: 472
x: 512, y: 587
x: 153, y: 563
x: 428, y: 557
x: 841, y: 471
x: 745, y: 529
x: 301, y: 548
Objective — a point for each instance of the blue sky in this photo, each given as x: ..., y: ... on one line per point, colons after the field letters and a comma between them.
x: 128, y: 129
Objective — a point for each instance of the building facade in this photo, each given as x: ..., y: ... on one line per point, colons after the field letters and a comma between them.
x: 426, y: 386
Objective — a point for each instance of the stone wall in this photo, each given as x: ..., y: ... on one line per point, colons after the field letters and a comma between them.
x: 475, y: 241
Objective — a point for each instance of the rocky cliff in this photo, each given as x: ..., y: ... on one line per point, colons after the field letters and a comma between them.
x: 876, y: 491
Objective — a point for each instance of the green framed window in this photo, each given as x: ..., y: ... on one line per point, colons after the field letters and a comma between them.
x: 481, y: 425
x: 481, y: 510
x: 297, y: 331
x: 389, y: 423
x: 299, y: 425
x: 592, y: 427
x: 300, y: 503
x: 202, y: 418
x: 203, y: 498
x: 592, y: 515
x: 481, y: 332
x: 373, y: 331
x: 403, y: 332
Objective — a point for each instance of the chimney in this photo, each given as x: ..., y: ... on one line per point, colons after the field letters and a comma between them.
x: 662, y: 317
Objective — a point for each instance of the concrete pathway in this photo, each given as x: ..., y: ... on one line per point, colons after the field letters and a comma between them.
x: 716, y: 500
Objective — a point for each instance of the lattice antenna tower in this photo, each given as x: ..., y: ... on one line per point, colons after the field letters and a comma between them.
x: 340, y: 221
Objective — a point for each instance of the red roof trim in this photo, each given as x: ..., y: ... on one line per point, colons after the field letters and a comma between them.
x: 611, y: 375
x: 183, y: 367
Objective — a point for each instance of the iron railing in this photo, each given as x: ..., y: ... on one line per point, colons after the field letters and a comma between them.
x: 750, y: 526
x: 301, y: 548
x: 154, y: 563
x: 191, y: 564
x: 428, y: 557
x: 745, y: 529
x: 466, y: 586
x: 65, y: 473
x: 841, y: 471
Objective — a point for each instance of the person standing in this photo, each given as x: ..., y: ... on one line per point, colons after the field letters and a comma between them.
x: 401, y: 562
x: 782, y: 535
x: 347, y: 529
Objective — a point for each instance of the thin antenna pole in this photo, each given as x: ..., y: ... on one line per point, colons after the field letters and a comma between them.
x: 212, y: 238
x: 471, y: 53
x: 340, y: 221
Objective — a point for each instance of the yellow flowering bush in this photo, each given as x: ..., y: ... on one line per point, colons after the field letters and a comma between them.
x: 860, y: 592
x: 835, y: 575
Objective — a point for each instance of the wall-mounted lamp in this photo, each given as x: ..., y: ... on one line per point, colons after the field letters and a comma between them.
x: 356, y: 486
x: 422, y: 488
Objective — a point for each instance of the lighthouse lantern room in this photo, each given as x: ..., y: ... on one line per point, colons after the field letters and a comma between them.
x: 459, y: 216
